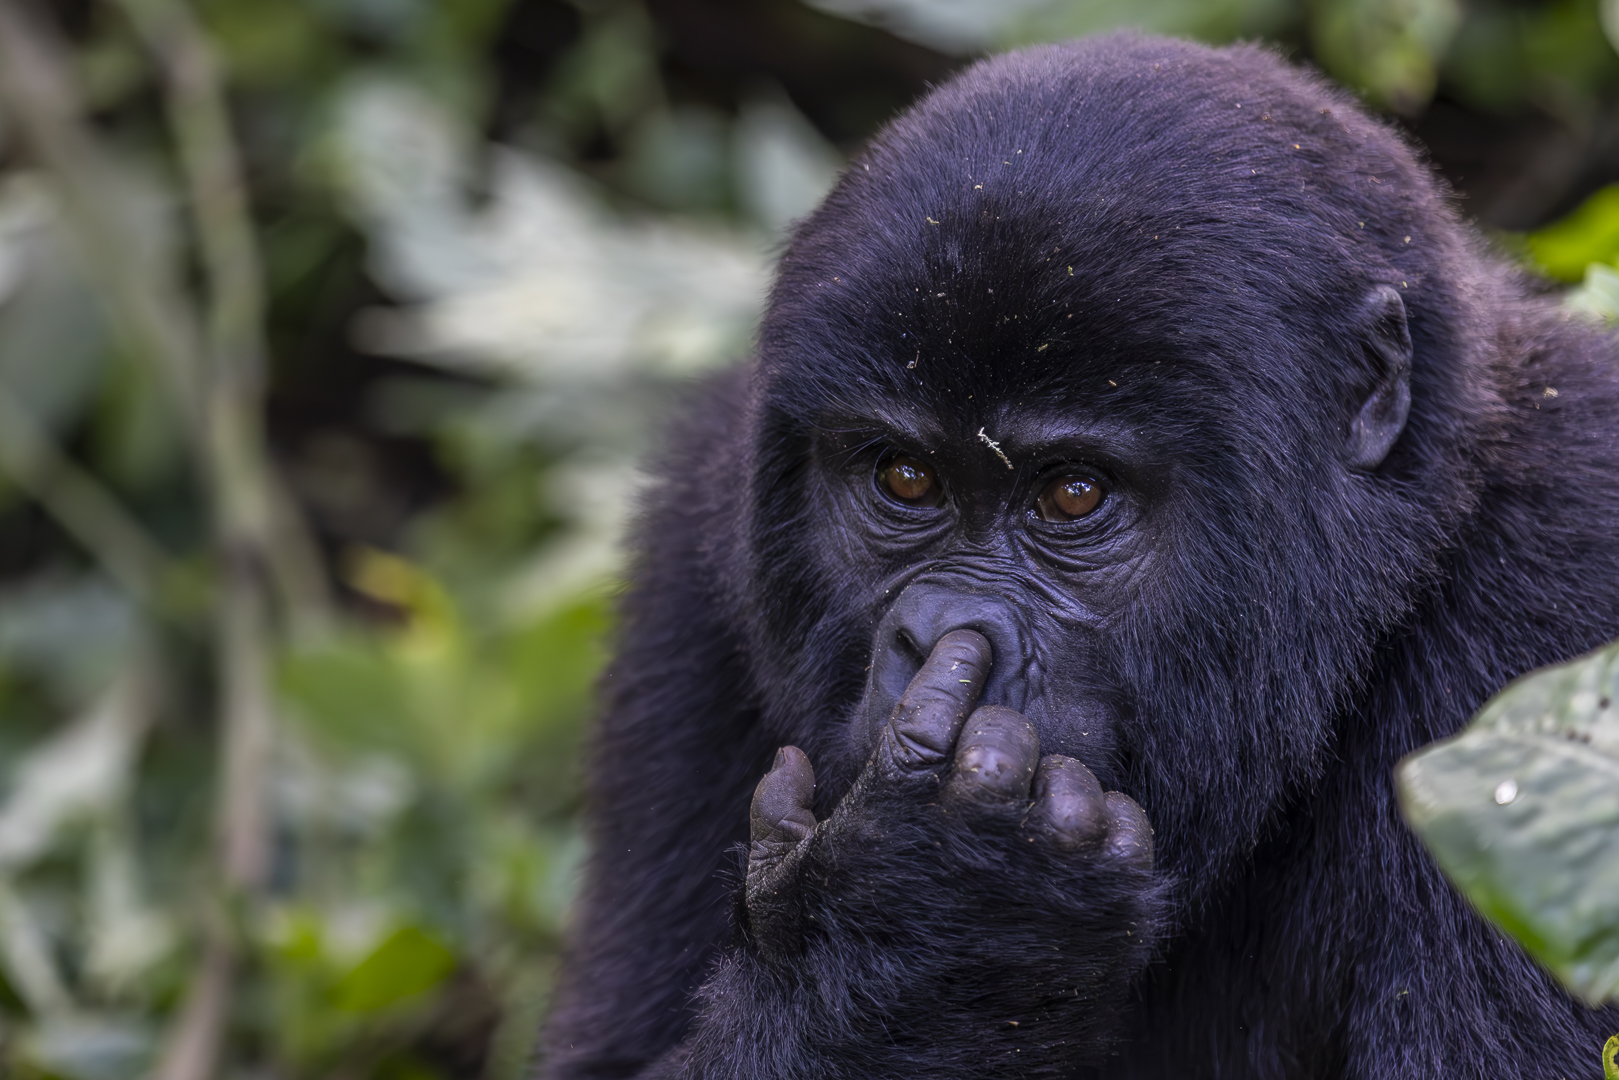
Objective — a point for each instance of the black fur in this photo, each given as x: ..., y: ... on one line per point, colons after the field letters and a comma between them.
x: 1183, y: 248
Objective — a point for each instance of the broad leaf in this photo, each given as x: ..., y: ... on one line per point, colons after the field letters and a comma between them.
x: 1590, y: 234
x: 1522, y: 812
x: 408, y: 962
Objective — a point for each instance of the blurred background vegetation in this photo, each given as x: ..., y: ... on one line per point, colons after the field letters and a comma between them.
x: 330, y: 332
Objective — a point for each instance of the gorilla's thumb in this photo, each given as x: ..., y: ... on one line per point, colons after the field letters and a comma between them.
x: 781, y: 812
x: 781, y: 819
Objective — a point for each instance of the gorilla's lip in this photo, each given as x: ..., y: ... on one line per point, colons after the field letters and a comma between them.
x: 1086, y: 731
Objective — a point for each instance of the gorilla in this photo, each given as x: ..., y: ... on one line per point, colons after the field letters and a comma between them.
x: 1139, y: 457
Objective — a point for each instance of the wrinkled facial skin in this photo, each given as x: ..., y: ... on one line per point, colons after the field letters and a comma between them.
x: 1035, y: 536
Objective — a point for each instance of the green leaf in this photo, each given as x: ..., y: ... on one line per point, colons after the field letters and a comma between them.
x: 407, y: 963
x: 1598, y: 296
x: 1389, y: 50
x: 350, y: 692
x: 554, y: 661
x: 1522, y: 812
x: 1590, y: 233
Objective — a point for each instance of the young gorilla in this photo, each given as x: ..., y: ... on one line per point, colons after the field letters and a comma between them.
x: 1133, y: 415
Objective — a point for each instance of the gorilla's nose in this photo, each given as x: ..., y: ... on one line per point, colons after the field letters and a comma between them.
x: 927, y: 611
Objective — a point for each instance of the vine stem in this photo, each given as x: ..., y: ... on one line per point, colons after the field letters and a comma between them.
x: 214, y: 366
x: 253, y: 509
x: 79, y: 502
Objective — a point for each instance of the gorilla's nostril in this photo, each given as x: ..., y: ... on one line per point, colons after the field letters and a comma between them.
x: 925, y: 614
x: 910, y: 647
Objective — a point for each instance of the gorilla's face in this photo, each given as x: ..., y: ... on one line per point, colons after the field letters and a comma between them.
x: 1134, y: 526
x: 1158, y: 457
x: 1165, y: 520
x: 1035, y: 529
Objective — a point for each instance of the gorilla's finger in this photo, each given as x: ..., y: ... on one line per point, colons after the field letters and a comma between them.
x: 1129, y: 832
x: 930, y: 712
x: 781, y: 819
x: 781, y: 812
x: 1070, y: 808
x: 996, y: 756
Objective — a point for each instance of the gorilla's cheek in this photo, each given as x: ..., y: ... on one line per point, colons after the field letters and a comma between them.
x: 1077, y: 722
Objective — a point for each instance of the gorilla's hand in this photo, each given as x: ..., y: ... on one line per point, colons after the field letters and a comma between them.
x: 998, y: 789
x: 965, y: 897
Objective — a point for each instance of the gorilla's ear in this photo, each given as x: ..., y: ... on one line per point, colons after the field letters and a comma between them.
x: 1382, y: 414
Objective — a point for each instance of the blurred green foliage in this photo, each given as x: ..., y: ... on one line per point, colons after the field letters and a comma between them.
x: 1494, y: 54
x: 1589, y: 235
x: 495, y: 236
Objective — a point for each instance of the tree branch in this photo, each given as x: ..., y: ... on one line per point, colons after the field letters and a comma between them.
x: 78, y: 501
x: 45, y: 106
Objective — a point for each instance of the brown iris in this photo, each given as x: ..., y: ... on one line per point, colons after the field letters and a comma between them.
x: 1065, y: 498
x: 909, y: 481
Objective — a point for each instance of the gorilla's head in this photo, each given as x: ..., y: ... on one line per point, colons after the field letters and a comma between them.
x: 1146, y: 362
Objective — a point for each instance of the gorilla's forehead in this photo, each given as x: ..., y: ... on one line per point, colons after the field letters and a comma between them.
x: 978, y: 446
x: 990, y: 353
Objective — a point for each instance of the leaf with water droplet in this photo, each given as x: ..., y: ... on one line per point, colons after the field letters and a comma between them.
x: 1521, y: 810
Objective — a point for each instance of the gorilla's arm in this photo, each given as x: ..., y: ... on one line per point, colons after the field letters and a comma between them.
x: 672, y: 761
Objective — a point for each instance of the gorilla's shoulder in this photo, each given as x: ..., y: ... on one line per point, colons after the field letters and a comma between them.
x: 692, y: 483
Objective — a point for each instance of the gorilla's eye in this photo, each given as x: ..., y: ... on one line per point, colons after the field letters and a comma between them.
x: 1067, y: 497
x: 909, y: 481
